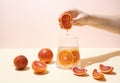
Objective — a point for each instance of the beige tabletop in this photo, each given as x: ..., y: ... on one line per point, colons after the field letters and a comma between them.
x: 90, y: 59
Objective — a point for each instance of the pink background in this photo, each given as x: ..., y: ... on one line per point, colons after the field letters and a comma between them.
x: 34, y: 23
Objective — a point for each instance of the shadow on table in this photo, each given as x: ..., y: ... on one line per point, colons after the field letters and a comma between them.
x: 91, y: 60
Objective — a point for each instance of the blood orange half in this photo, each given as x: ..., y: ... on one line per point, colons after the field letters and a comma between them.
x: 105, y: 69
x: 79, y: 71
x: 97, y: 75
x: 39, y: 66
x: 65, y: 21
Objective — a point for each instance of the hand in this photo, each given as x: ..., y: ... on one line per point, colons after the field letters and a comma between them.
x: 79, y: 18
x: 74, y: 13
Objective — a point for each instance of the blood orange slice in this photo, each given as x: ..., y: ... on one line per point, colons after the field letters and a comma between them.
x: 65, y: 57
x: 79, y: 71
x: 65, y: 21
x: 97, y: 75
x: 105, y: 69
x: 76, y: 55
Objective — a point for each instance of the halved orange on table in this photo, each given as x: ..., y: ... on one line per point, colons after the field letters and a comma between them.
x: 97, y: 75
x: 65, y: 57
x: 65, y: 21
x: 39, y: 66
x: 105, y: 69
x: 79, y: 71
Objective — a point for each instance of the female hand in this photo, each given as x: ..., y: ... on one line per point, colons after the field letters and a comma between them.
x: 79, y: 17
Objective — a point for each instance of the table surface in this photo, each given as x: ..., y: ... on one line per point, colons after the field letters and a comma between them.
x: 90, y: 59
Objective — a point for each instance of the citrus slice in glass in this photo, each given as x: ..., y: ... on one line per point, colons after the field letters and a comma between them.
x: 65, y: 21
x: 65, y: 57
x: 79, y: 71
x: 97, y: 75
x: 105, y: 69
x: 76, y: 55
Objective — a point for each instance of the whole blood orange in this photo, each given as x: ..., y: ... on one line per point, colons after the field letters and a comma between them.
x: 20, y: 62
x: 97, y: 75
x: 65, y: 21
x: 39, y: 66
x: 105, y: 69
x: 45, y: 55
x: 65, y: 57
